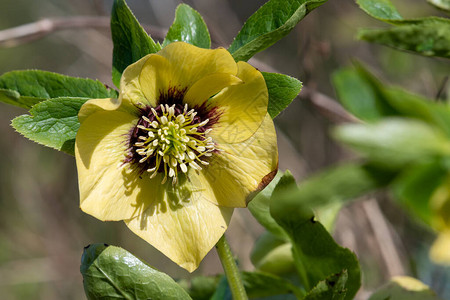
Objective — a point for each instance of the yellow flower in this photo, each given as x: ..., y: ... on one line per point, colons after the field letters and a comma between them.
x: 188, y: 140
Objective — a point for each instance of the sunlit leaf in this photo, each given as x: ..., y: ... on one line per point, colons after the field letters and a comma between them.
x: 188, y: 27
x: 52, y: 123
x: 282, y: 90
x: 29, y: 87
x: 113, y: 273
x: 270, y: 23
x: 130, y: 40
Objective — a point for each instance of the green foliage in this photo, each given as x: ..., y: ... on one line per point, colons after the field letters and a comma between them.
x: 332, y: 288
x: 130, y: 40
x: 316, y: 254
x: 404, y: 288
x: 53, y: 123
x: 113, y: 273
x: 380, y: 9
x: 260, y: 285
x: 395, y: 142
x: 428, y: 36
x: 14, y: 98
x: 259, y: 207
x: 441, y: 4
x: 282, y: 91
x: 272, y: 254
x: 188, y: 27
x: 203, y: 287
x: 267, y: 25
x: 339, y: 184
x: 360, y: 95
x: 416, y: 185
x: 370, y: 100
x: 29, y: 87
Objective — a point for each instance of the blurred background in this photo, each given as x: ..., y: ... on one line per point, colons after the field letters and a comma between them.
x: 42, y: 229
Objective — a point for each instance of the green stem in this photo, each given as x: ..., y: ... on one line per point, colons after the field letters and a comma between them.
x: 231, y: 269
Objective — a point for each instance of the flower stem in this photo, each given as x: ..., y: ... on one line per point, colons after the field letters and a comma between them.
x: 231, y: 269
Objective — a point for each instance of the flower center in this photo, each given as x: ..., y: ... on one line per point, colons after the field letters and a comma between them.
x: 170, y: 140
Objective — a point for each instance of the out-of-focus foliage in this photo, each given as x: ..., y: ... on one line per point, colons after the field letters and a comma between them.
x: 429, y: 36
x: 404, y: 288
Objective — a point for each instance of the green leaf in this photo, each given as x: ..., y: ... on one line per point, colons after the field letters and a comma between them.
x: 282, y: 90
x: 441, y: 4
x: 339, y: 184
x: 267, y: 25
x: 272, y: 255
x: 188, y: 27
x: 53, y: 123
x: 416, y: 185
x: 380, y: 9
x: 331, y: 288
x: 130, y: 40
x: 113, y: 273
x: 259, y: 207
x: 395, y: 142
x: 418, y: 107
x: 427, y: 36
x: 260, y: 284
x: 316, y: 254
x: 29, y: 87
x: 203, y: 287
x: 360, y: 95
x: 14, y: 98
x: 404, y: 288
x: 369, y: 99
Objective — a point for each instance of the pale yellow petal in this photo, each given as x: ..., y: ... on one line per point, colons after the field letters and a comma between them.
x: 107, y: 190
x: 242, y: 107
x: 440, y: 250
x: 96, y: 105
x: 182, y: 66
x: 182, y: 225
x: 208, y: 86
x: 239, y: 170
x: 131, y: 92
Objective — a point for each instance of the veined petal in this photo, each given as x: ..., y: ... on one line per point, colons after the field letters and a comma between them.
x: 131, y: 92
x: 242, y: 107
x: 95, y: 105
x: 439, y: 251
x: 208, y: 86
x: 156, y: 77
x: 107, y: 190
x: 239, y: 170
x: 179, y: 65
x: 182, y: 225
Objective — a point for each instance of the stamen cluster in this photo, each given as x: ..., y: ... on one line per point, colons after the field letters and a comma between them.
x: 171, y: 139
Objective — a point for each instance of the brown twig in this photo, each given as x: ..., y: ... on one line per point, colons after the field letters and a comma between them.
x: 29, y: 32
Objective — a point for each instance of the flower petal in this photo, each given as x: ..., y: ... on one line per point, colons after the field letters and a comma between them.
x: 240, y: 170
x: 208, y: 86
x: 242, y: 107
x: 107, y: 191
x: 179, y: 65
x: 182, y: 225
x: 131, y: 92
x: 95, y: 105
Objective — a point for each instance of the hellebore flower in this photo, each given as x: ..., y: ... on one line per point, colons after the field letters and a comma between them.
x: 188, y: 140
